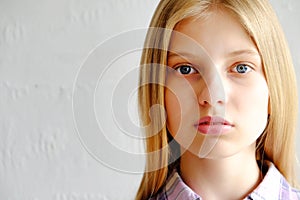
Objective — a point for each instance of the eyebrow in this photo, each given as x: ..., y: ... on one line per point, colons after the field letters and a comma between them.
x: 230, y: 54
x: 243, y: 51
x: 180, y: 54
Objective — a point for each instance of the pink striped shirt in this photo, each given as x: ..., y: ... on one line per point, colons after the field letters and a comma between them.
x: 273, y: 187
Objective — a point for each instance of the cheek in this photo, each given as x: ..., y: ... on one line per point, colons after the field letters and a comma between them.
x: 251, y: 104
x: 173, y: 111
x: 258, y: 99
x: 181, y: 113
x: 253, y: 95
x: 181, y: 106
x: 261, y: 107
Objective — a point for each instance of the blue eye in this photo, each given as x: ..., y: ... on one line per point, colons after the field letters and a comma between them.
x: 185, y: 69
x: 242, y: 68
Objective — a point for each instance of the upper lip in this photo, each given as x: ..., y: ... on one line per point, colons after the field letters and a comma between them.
x: 213, y: 120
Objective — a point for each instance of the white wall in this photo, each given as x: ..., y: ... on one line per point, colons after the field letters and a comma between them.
x: 43, y: 45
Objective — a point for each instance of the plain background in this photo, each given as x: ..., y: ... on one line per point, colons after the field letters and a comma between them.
x: 42, y: 46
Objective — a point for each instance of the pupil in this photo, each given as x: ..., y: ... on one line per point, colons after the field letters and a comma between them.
x: 185, y: 69
x: 241, y: 68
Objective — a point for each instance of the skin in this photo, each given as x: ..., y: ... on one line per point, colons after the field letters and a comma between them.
x: 215, y: 52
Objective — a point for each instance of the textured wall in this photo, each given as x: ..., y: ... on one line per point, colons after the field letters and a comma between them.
x: 42, y: 46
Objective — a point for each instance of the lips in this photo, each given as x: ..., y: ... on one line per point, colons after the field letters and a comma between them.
x: 213, y: 125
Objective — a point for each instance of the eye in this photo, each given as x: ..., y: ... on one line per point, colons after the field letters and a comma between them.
x: 242, y: 69
x: 185, y: 69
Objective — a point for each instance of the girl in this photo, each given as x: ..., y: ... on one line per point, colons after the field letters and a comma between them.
x: 223, y: 72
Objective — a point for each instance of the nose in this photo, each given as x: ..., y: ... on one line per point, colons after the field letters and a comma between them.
x: 213, y: 91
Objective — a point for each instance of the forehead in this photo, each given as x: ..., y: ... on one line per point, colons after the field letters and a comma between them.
x: 217, y: 32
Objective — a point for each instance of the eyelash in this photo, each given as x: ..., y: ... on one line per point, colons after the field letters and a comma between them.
x: 192, y: 69
x: 249, y: 68
x: 232, y: 69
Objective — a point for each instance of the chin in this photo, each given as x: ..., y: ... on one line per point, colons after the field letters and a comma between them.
x: 225, y: 150
x: 216, y: 155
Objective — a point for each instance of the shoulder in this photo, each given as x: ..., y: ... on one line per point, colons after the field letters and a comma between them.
x: 288, y: 191
x: 175, y: 188
x: 168, y: 187
x: 275, y: 186
x: 297, y: 192
x: 159, y: 196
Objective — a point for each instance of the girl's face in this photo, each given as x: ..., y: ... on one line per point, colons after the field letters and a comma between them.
x: 216, y: 94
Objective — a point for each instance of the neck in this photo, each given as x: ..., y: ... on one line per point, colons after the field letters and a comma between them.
x: 227, y: 178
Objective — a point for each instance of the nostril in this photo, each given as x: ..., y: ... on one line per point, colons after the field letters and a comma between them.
x: 204, y: 102
x: 220, y: 102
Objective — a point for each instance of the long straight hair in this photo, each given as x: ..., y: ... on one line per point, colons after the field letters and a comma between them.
x: 277, y: 143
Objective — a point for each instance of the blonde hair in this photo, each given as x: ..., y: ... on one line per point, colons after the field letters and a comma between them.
x: 259, y: 20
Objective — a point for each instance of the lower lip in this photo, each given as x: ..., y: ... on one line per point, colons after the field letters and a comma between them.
x: 214, y: 129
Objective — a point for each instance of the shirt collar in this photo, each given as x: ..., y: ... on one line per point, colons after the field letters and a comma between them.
x: 177, y: 189
x: 273, y: 186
